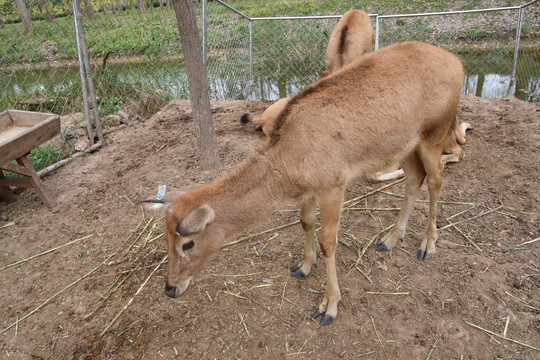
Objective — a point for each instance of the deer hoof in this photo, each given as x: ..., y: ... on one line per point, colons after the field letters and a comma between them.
x: 428, y: 257
x: 299, y: 274
x: 382, y: 247
x: 316, y: 314
x: 420, y: 254
x: 327, y: 320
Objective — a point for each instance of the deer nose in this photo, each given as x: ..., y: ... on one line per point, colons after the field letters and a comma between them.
x: 170, y: 291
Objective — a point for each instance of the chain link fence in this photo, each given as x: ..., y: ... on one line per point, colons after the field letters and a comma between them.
x: 285, y: 52
x: 133, y: 48
x: 136, y: 63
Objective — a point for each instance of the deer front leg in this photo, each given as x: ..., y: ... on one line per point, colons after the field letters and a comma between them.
x: 308, y: 215
x: 330, y: 207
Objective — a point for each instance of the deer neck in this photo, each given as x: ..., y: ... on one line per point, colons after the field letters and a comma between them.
x: 251, y: 192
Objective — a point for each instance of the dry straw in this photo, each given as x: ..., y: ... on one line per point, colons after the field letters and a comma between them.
x: 503, y: 337
x: 45, y: 252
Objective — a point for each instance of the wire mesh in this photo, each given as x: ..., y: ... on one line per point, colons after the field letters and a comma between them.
x: 484, y: 41
x: 228, y: 44
x: 134, y: 50
x: 286, y: 53
x: 528, y: 61
x: 136, y: 53
x: 38, y: 65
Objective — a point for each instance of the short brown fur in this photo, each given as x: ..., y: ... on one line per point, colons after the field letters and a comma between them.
x: 350, y: 123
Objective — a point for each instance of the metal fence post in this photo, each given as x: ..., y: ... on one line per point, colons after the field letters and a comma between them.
x: 77, y: 19
x: 516, y: 47
x: 204, y: 40
x: 376, y: 31
x: 251, y: 77
x: 86, y: 76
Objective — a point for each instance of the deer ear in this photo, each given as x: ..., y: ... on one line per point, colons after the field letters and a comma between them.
x: 162, y: 202
x: 196, y: 221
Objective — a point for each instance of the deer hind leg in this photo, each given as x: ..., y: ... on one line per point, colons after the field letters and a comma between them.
x: 454, y: 154
x: 414, y: 177
x: 308, y: 215
x: 460, y: 131
x: 330, y: 207
x: 431, y: 159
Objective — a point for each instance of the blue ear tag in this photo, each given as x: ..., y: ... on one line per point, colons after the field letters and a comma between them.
x: 162, y: 189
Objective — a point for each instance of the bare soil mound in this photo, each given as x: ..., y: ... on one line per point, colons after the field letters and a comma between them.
x: 245, y: 305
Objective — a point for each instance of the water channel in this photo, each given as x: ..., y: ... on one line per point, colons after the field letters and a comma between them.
x: 491, y: 82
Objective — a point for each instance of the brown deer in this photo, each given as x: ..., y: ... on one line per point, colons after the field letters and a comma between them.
x: 397, y: 104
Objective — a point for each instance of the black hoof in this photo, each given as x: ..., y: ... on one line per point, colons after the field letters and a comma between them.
x: 316, y: 314
x: 382, y: 247
x: 420, y: 254
x: 296, y: 268
x: 428, y: 257
x: 299, y: 274
x: 327, y: 320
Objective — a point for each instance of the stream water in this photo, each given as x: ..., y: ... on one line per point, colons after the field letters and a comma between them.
x: 491, y: 82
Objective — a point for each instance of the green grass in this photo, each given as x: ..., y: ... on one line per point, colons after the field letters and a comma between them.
x: 259, y: 8
x: 43, y: 156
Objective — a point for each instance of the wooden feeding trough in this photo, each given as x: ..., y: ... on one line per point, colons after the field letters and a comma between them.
x: 20, y: 132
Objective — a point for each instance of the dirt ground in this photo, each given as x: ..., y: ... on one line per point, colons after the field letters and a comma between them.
x: 101, y: 297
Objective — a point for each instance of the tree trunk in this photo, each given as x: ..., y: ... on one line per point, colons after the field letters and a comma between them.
x: 89, y: 11
x: 45, y: 9
x: 141, y: 4
x: 198, y: 87
x: 23, y: 11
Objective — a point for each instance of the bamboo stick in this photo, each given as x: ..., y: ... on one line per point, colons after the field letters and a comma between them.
x: 63, y: 162
x: 433, y: 348
x: 378, y: 337
x: 7, y: 225
x: 472, y: 218
x: 134, y: 296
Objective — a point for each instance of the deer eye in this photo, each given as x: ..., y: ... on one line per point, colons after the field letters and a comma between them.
x: 188, y: 245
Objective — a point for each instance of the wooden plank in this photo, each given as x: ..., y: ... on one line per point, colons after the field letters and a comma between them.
x: 29, y: 139
x: 36, y: 182
x: 5, y: 120
x: 18, y: 169
x: 28, y: 118
x: 15, y: 181
x: 5, y: 192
